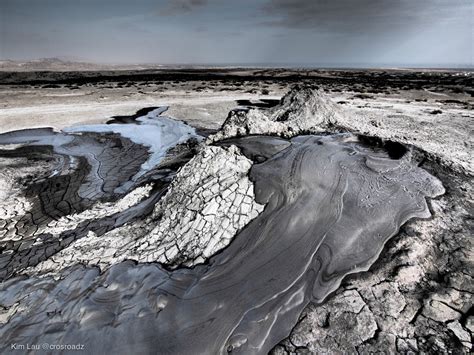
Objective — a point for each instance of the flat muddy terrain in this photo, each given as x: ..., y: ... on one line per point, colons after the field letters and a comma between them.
x: 237, y: 210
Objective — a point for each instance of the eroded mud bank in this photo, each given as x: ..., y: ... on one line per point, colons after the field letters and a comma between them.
x: 84, y: 168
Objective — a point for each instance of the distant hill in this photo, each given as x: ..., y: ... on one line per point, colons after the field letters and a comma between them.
x: 56, y: 64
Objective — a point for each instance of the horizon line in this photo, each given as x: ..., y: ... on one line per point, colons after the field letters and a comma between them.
x: 285, y: 65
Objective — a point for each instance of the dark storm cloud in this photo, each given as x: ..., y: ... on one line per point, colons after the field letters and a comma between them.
x: 175, y: 7
x: 355, y: 15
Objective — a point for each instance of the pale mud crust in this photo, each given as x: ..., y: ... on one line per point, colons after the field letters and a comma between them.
x: 300, y: 111
x: 206, y: 205
x: 208, y: 202
x: 14, y: 204
x: 90, y: 249
x: 82, y: 170
x: 306, y: 110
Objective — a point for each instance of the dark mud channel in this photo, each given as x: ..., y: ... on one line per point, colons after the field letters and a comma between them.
x: 331, y: 204
x: 85, y: 168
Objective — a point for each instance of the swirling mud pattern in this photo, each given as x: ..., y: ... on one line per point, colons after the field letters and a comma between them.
x: 331, y: 203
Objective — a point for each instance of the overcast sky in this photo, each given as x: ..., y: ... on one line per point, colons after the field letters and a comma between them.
x: 298, y: 32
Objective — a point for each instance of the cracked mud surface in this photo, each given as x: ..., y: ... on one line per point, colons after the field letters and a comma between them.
x: 209, y: 200
x: 244, y: 198
x: 416, y: 298
x: 307, y: 232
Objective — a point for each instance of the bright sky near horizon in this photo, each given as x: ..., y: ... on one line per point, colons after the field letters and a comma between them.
x: 297, y: 32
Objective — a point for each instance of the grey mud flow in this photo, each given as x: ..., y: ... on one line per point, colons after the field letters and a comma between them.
x: 331, y: 204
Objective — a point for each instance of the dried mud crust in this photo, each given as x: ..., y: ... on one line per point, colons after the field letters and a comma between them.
x: 305, y: 110
x: 314, y: 230
x: 70, y: 186
x: 416, y: 297
x: 208, y: 202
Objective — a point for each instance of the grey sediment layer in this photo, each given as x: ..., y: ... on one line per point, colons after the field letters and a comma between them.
x: 331, y: 204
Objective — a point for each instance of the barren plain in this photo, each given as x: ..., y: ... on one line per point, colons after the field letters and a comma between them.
x: 237, y: 210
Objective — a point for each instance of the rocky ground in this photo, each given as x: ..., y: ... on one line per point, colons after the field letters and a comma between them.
x: 417, y: 297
